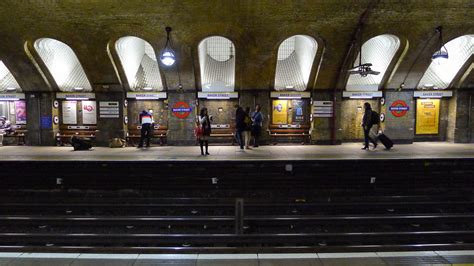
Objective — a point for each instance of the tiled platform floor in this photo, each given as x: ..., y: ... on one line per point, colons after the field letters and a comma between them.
x: 279, y: 152
x: 309, y: 259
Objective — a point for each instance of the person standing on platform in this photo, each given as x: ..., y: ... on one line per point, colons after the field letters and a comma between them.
x: 146, y: 121
x: 204, y: 122
x: 367, y: 123
x: 239, y: 125
x: 257, y: 122
x: 248, y: 127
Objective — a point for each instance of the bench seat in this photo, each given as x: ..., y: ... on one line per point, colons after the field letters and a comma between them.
x: 290, y: 131
x: 66, y: 132
x: 134, y: 134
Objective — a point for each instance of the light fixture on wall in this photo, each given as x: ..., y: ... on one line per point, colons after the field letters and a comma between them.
x: 167, y: 56
x: 10, y: 89
x: 148, y: 89
x: 441, y: 55
x: 78, y: 89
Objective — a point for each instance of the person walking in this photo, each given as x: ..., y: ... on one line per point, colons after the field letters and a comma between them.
x: 240, y: 125
x: 248, y: 128
x: 367, y: 123
x: 205, y: 123
x: 146, y: 121
x: 257, y: 122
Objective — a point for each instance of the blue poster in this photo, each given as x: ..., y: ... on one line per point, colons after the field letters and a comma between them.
x: 46, y: 122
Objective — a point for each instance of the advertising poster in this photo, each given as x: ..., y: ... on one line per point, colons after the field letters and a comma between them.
x: 89, y: 113
x: 280, y: 112
x: 69, y: 111
x: 427, y: 116
x: 20, y: 112
x: 298, y: 111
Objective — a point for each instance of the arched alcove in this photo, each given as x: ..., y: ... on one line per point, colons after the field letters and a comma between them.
x: 217, y: 64
x: 63, y: 65
x: 8, y: 83
x: 440, y: 74
x: 379, y: 51
x: 295, y: 59
x: 139, y: 63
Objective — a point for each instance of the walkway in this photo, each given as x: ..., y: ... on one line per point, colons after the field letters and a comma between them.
x: 307, y: 259
x: 297, y: 152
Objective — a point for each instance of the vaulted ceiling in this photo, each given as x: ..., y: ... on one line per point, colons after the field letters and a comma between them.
x: 255, y: 27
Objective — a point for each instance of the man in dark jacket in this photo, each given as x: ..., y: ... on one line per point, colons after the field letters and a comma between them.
x: 240, y: 125
x: 146, y: 121
x: 367, y: 123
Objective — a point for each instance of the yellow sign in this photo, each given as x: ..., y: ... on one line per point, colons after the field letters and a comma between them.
x: 427, y: 116
x: 280, y: 112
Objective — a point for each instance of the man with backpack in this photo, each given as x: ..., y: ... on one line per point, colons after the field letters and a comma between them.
x: 369, y: 119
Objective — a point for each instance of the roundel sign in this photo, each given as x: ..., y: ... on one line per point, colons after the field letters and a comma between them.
x: 398, y: 108
x: 181, y: 110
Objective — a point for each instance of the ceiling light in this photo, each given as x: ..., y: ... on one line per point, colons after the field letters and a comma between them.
x: 167, y: 56
x: 11, y: 89
x: 440, y: 56
x: 78, y: 89
x: 147, y: 88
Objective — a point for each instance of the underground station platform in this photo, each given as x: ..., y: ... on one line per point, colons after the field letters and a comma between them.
x: 271, y: 205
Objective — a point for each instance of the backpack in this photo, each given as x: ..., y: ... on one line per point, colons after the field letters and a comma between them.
x: 247, y: 121
x: 375, y: 118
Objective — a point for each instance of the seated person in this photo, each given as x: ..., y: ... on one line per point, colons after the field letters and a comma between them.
x: 5, y: 126
x: 81, y: 144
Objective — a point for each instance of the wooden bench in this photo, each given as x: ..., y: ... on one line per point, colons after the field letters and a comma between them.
x: 290, y: 131
x: 66, y: 132
x: 223, y: 131
x: 159, y: 132
x: 18, y: 134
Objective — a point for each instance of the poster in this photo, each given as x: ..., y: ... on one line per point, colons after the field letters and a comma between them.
x: 297, y: 114
x: 20, y: 112
x: 280, y: 112
x: 427, y: 116
x: 69, y: 111
x: 89, y: 113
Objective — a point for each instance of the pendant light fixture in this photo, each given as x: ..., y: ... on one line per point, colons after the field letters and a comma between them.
x: 167, y: 56
x: 441, y: 55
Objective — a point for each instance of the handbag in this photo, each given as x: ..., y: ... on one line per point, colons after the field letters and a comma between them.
x: 198, y: 131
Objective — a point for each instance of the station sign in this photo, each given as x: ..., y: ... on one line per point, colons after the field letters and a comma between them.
x: 75, y: 95
x: 11, y: 96
x: 399, y: 108
x: 218, y: 95
x: 432, y: 94
x: 290, y: 94
x: 146, y: 95
x: 362, y: 94
x: 181, y: 109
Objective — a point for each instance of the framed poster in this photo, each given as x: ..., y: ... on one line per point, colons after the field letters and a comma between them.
x: 427, y: 116
x: 69, y: 110
x: 298, y: 113
x: 280, y: 112
x: 89, y: 112
x: 20, y: 112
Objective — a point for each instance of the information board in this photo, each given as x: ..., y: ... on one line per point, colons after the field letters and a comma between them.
x: 109, y: 109
x: 69, y: 112
x: 427, y: 116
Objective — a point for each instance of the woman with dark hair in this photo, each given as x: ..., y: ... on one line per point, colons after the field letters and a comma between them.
x: 205, y: 124
x: 367, y: 123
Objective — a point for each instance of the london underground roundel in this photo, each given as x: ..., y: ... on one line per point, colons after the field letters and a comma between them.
x: 399, y: 108
x: 181, y: 110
